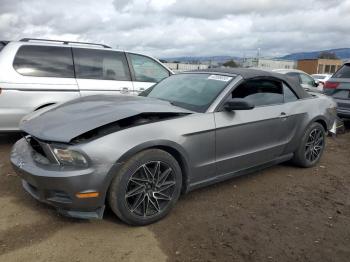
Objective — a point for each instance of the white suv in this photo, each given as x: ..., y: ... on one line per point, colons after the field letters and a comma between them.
x: 35, y: 73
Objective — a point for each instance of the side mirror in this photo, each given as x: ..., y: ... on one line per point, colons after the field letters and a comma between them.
x: 238, y: 104
x: 316, y: 83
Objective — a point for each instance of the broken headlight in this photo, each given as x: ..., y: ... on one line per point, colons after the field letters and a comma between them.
x: 70, y: 157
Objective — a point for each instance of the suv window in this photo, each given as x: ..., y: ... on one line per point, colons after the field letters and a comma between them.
x: 343, y: 72
x: 100, y: 64
x: 147, y: 70
x: 44, y: 61
x: 260, y: 92
x: 307, y: 80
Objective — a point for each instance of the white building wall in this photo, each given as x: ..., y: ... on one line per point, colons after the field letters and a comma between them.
x: 269, y: 64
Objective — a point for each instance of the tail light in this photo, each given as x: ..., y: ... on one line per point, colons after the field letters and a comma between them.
x: 331, y: 85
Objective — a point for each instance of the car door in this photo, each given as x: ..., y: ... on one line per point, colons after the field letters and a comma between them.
x: 251, y: 137
x: 146, y: 71
x: 100, y: 71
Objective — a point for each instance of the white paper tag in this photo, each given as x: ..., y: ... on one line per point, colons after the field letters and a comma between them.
x: 220, y: 78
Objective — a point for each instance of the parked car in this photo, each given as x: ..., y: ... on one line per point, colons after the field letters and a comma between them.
x: 338, y: 87
x: 304, y: 79
x: 321, y: 78
x: 138, y: 153
x: 36, y: 73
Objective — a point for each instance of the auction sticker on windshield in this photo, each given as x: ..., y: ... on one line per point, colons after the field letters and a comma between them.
x: 220, y: 78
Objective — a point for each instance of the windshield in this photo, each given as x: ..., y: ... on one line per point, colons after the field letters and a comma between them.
x: 194, y: 92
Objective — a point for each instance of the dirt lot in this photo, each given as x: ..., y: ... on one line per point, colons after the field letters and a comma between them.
x: 283, y: 213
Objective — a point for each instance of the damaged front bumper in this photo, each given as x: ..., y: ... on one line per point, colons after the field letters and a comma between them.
x: 58, y: 185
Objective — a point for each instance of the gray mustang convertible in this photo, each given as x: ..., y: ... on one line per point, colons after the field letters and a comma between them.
x: 138, y: 154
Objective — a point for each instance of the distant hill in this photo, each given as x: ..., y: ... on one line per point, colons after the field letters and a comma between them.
x: 187, y: 59
x: 342, y: 53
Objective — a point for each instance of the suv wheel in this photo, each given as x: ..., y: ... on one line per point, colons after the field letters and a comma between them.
x: 146, y: 187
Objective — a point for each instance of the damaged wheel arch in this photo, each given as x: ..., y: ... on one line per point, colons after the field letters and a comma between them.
x: 170, y: 147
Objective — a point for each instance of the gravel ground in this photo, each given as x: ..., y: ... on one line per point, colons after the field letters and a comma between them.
x: 283, y: 213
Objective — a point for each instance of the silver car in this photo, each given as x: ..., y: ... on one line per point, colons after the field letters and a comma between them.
x: 304, y: 79
x: 36, y: 73
x: 138, y: 153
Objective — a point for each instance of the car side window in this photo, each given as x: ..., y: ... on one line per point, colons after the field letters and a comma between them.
x: 260, y: 92
x: 307, y: 80
x: 146, y: 69
x: 289, y: 95
x: 44, y: 61
x: 101, y: 64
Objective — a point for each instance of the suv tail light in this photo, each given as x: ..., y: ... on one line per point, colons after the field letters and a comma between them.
x: 331, y: 85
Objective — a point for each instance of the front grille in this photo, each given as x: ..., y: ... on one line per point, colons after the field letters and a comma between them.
x: 40, y: 152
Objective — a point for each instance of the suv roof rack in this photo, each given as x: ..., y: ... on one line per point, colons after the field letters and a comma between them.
x: 63, y: 42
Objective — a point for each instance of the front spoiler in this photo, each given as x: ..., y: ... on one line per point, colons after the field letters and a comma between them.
x: 97, y: 214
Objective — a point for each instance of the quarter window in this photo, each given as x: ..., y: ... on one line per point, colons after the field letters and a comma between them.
x: 100, y: 64
x: 44, y: 61
x: 289, y: 95
x: 260, y: 92
x: 147, y: 70
x: 294, y: 75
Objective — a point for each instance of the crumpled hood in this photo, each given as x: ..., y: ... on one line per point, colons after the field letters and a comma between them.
x: 66, y: 121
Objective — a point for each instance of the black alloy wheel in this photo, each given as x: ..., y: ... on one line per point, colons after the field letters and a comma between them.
x: 146, y: 187
x: 314, y: 145
x: 150, y: 189
x: 311, y: 146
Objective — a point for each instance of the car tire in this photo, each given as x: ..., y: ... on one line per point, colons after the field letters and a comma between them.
x: 146, y: 188
x: 311, y: 146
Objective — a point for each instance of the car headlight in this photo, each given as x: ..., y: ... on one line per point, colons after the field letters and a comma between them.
x: 70, y: 157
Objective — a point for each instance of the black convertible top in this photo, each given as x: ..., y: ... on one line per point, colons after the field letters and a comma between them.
x: 248, y: 73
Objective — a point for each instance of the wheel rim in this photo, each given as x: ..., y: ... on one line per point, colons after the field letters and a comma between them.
x: 150, y: 189
x: 314, y: 145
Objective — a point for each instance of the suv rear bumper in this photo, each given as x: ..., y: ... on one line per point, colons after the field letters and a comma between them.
x: 343, y: 113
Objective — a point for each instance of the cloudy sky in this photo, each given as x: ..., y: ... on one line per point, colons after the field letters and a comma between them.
x: 170, y: 28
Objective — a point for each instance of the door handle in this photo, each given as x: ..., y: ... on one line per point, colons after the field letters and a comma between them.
x: 124, y: 90
x: 283, y: 116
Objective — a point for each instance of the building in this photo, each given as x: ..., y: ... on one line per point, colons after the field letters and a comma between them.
x: 179, y: 67
x: 269, y: 64
x: 319, y: 66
